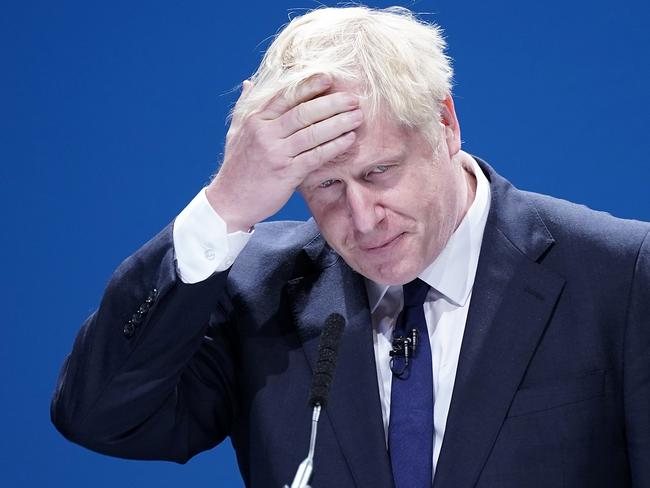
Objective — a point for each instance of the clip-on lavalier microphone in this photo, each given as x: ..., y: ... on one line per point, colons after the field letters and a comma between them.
x: 403, y: 347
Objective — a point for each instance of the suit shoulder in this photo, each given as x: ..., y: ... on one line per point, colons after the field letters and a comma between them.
x: 587, y: 228
x: 278, y: 247
x: 282, y: 237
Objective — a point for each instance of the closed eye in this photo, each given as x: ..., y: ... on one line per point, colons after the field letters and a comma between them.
x: 327, y: 183
x: 379, y: 169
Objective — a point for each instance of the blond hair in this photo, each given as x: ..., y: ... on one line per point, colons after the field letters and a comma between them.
x: 397, y: 61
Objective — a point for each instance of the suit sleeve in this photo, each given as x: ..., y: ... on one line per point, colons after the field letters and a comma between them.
x: 152, y: 371
x: 637, y: 370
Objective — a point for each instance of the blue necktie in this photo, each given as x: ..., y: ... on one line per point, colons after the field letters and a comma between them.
x: 410, y: 429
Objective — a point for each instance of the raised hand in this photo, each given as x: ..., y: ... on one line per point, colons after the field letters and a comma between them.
x: 270, y: 152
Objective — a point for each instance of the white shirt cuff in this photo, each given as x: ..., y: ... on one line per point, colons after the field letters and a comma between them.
x: 201, y: 242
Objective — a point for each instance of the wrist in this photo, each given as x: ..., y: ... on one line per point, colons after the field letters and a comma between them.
x: 234, y: 221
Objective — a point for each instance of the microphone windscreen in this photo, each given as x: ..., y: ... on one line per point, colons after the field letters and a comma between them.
x: 328, y: 352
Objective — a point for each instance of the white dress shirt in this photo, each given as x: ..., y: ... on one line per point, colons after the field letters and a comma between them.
x: 203, y: 246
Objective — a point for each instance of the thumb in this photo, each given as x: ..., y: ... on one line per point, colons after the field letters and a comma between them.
x: 246, y: 86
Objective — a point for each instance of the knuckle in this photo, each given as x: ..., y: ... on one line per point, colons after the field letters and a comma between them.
x: 310, y: 137
x: 274, y: 154
x: 281, y: 164
x: 297, y: 143
x: 317, y: 155
x: 254, y: 117
x: 292, y: 146
x: 301, y: 116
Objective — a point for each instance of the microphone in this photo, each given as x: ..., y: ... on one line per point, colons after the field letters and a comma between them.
x: 328, y: 352
x: 403, y: 347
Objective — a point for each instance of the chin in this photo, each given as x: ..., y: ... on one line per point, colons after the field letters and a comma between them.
x: 397, y: 274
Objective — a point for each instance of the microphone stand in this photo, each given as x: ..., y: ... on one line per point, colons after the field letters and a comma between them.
x: 303, y: 473
x: 321, y: 382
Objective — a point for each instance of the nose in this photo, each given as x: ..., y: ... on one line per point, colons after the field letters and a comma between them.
x: 364, y: 208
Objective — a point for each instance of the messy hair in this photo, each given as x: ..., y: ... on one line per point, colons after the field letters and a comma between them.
x: 397, y: 61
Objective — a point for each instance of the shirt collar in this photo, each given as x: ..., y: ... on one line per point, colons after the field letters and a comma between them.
x: 453, y: 271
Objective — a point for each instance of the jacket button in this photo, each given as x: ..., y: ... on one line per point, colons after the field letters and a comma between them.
x: 151, y: 296
x: 129, y: 329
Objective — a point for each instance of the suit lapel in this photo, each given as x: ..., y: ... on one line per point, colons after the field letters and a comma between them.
x: 512, y: 300
x: 354, y: 408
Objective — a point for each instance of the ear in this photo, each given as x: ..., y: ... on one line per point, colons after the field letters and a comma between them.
x: 451, y: 127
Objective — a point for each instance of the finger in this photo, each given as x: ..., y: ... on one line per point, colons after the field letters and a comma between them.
x: 324, y: 131
x: 313, y: 159
x: 312, y: 111
x: 308, y: 89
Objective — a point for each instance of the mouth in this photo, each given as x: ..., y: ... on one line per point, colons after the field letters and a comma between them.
x: 383, y: 246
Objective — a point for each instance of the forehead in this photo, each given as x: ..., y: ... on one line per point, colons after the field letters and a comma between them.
x: 379, y: 134
x: 379, y: 140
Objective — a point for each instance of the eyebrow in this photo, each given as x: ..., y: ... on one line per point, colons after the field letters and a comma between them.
x: 341, y: 158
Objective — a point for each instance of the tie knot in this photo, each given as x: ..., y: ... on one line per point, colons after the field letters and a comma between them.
x: 415, y: 292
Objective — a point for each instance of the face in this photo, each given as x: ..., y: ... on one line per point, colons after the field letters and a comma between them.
x: 390, y: 204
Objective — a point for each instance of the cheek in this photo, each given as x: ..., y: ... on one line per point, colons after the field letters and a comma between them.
x: 442, y: 221
x: 331, y: 221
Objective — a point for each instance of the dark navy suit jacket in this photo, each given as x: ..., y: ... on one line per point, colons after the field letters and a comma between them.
x: 552, y: 388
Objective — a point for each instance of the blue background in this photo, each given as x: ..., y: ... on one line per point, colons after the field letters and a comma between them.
x: 113, y: 116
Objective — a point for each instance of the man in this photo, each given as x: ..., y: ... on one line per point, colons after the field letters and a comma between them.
x: 532, y: 363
